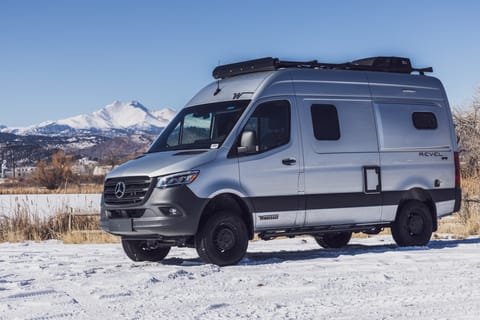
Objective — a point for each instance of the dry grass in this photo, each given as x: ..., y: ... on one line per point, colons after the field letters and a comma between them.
x: 72, y: 189
x: 23, y: 225
x: 466, y: 222
x: 362, y: 235
x: 471, y: 187
x: 86, y: 236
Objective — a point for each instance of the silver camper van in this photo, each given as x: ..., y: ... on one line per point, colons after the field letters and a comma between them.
x: 284, y: 148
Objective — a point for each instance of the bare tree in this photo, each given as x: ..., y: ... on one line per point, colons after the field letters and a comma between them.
x: 53, y: 175
x: 467, y: 126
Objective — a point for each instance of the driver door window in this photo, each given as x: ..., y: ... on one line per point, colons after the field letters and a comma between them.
x: 270, y: 123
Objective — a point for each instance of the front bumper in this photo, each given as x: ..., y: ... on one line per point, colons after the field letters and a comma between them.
x: 153, y: 218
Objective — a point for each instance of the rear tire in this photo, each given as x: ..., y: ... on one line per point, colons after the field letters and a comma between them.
x: 143, y: 250
x: 333, y: 240
x: 413, y: 225
x: 222, y: 239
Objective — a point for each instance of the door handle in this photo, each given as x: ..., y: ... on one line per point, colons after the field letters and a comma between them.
x: 289, y: 161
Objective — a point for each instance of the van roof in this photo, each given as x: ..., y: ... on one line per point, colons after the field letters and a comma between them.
x: 306, y: 80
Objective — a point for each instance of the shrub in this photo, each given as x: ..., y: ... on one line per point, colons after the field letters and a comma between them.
x: 53, y: 175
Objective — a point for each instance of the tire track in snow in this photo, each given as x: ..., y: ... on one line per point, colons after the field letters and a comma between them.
x: 38, y: 304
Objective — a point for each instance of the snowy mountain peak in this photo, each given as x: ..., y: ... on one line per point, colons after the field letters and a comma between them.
x: 114, y: 118
x: 138, y: 105
x: 165, y: 114
x: 117, y: 105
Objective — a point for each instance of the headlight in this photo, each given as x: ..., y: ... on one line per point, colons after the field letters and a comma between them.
x: 177, y: 179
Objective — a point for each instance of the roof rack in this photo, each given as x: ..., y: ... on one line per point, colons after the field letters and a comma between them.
x: 382, y: 64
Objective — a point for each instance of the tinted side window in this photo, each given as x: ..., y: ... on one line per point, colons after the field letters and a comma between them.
x: 424, y: 120
x: 325, y: 122
x: 271, y: 124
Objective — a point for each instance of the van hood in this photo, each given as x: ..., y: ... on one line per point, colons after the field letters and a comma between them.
x: 162, y: 163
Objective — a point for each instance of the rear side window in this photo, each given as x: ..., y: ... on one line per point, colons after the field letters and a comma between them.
x: 424, y: 120
x: 325, y: 122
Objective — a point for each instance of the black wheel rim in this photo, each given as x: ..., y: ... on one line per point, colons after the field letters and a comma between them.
x: 144, y: 246
x: 415, y: 224
x: 149, y: 245
x: 224, y: 237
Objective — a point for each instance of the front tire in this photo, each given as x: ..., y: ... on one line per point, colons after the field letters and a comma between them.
x: 222, y: 239
x: 413, y: 225
x: 144, y: 250
x: 333, y: 240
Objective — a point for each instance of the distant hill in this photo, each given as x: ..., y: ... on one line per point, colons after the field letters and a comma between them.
x: 118, y: 129
x: 114, y: 119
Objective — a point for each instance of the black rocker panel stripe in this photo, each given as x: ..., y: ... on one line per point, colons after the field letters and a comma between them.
x: 277, y: 203
x: 339, y: 200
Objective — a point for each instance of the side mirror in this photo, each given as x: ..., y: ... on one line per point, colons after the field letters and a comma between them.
x: 248, y: 143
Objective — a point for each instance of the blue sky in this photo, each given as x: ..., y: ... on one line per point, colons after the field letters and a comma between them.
x: 64, y: 58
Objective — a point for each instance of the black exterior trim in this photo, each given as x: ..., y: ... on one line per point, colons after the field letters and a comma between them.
x: 276, y: 203
x: 189, y: 152
x: 377, y: 170
x: 458, y: 200
x: 274, y: 233
x: 137, y: 191
x: 342, y: 200
x: 382, y: 64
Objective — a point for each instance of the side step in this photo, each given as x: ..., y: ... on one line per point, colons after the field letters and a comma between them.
x: 369, y: 229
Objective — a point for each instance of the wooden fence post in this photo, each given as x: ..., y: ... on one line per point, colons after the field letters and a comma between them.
x: 70, y: 217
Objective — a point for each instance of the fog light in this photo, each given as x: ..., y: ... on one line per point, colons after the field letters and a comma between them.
x: 171, y: 212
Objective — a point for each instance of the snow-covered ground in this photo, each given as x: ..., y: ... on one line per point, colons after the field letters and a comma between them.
x: 279, y: 279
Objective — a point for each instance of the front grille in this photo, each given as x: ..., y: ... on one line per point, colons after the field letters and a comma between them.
x: 135, y: 191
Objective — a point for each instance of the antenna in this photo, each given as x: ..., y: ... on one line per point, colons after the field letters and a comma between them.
x: 217, y: 91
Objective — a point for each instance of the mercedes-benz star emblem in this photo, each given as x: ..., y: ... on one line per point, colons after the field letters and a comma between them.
x: 120, y: 189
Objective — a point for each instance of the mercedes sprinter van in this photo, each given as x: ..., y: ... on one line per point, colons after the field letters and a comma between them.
x: 284, y: 148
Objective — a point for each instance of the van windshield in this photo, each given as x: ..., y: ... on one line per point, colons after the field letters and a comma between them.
x: 200, y: 127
